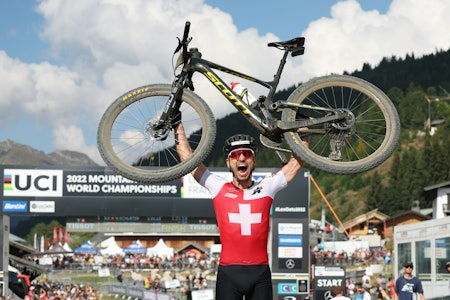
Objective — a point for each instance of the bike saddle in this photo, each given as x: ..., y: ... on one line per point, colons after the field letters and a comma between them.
x: 294, y: 45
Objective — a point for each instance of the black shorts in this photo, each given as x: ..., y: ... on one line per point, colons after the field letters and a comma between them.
x: 236, y: 281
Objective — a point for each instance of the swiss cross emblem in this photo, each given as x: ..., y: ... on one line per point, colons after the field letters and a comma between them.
x: 245, y: 218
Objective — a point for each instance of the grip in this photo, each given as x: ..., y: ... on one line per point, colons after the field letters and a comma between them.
x: 186, y: 30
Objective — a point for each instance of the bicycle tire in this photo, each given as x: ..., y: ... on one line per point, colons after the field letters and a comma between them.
x: 365, y: 145
x: 128, y: 145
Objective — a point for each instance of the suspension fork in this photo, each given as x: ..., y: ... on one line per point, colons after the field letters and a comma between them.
x: 173, y: 103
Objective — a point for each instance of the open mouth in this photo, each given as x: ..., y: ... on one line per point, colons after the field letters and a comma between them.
x: 242, y: 169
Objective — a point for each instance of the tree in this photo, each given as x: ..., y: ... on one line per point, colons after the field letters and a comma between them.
x: 375, y: 198
x: 42, y: 229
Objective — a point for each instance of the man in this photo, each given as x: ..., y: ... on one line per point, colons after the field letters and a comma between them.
x: 380, y: 284
x: 244, y: 265
x: 337, y: 292
x: 447, y: 265
x: 362, y: 293
x: 407, y: 285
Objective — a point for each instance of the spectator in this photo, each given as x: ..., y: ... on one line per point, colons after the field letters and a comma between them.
x: 337, y: 292
x: 362, y: 293
x: 447, y: 265
x: 408, y: 285
x: 391, y: 286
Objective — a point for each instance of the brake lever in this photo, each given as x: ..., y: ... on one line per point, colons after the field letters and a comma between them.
x: 180, y: 44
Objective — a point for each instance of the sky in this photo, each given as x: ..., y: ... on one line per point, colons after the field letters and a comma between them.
x: 63, y: 62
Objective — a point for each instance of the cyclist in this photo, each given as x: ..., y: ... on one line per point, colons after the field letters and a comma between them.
x: 242, y: 209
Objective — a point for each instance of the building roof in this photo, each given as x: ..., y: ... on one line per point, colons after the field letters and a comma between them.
x: 373, y: 214
x: 437, y: 186
x: 409, y: 212
x: 192, y: 244
x: 431, y: 191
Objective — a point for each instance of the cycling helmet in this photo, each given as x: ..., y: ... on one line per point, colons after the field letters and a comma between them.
x: 447, y: 264
x: 239, y: 141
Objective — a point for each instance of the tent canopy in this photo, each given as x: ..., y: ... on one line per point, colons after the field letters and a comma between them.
x: 56, y: 247
x: 160, y: 249
x: 112, y: 249
x: 67, y: 247
x: 86, y: 248
x: 135, y: 248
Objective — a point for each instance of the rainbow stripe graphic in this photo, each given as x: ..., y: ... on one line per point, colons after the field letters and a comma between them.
x: 7, y: 182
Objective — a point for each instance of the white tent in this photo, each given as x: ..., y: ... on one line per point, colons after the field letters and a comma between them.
x: 160, y: 249
x: 106, y: 243
x: 112, y: 249
x: 67, y: 247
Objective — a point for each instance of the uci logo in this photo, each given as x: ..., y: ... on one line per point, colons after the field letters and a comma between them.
x: 32, y: 183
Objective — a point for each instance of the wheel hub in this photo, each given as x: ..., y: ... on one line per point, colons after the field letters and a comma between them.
x: 156, y: 131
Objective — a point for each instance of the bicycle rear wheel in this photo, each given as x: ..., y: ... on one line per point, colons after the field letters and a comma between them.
x: 362, y: 141
x: 130, y: 146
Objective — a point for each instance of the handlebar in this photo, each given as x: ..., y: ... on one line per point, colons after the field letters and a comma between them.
x: 185, y: 41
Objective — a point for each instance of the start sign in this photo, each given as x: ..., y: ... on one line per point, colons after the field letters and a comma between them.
x: 326, y: 277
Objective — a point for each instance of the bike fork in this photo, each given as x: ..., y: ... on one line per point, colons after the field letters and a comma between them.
x: 163, y: 126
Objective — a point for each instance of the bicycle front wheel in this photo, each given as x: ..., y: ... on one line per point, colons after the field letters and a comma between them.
x: 358, y: 143
x: 129, y: 144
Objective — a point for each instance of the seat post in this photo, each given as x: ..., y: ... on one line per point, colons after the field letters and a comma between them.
x: 277, y: 76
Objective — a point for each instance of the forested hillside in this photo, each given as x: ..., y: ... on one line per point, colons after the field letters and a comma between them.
x: 420, y: 159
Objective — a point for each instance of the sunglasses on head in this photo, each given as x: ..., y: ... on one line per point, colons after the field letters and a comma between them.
x: 236, y: 153
x: 408, y: 266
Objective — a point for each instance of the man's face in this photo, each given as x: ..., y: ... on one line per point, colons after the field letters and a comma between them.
x: 408, y: 269
x: 241, y: 162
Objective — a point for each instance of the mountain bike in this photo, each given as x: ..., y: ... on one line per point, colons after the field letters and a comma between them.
x: 351, y: 124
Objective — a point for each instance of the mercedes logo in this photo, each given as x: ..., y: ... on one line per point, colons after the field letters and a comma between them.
x: 290, y: 264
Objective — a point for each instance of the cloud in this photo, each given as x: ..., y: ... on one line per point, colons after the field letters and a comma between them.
x: 101, y: 49
x: 72, y: 138
x: 352, y: 36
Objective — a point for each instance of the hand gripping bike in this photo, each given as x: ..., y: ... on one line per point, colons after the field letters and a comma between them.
x: 351, y: 124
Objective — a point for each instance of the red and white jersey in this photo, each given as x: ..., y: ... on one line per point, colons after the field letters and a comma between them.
x: 243, y: 217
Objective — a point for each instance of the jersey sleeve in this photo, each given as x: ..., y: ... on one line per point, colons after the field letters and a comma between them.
x: 212, y: 183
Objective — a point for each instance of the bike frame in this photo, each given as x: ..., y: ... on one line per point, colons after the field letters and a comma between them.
x: 267, y: 124
x: 207, y: 68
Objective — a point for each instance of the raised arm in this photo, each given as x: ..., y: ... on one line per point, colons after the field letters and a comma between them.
x: 184, y: 151
x: 294, y: 165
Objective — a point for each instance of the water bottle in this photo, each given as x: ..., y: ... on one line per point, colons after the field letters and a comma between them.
x: 243, y: 92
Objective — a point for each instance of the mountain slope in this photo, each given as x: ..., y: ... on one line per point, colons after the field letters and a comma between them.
x: 12, y: 153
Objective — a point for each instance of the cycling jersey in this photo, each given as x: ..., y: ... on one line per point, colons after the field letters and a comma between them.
x: 243, y: 217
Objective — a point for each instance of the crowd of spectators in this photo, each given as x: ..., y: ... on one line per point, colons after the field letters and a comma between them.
x: 51, y: 290
x: 182, y: 262
x: 366, y: 256
x: 133, y: 261
x: 187, y: 262
x: 378, y: 288
x: 123, y: 266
